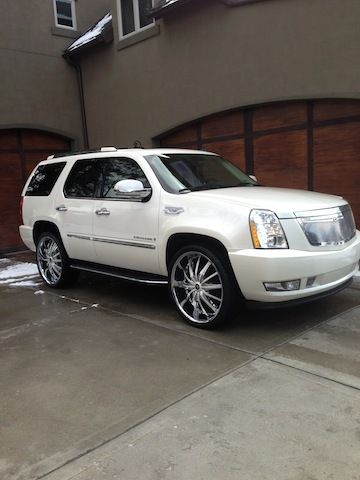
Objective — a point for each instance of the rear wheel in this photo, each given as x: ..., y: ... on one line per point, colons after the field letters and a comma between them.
x: 53, y: 262
x: 200, y: 286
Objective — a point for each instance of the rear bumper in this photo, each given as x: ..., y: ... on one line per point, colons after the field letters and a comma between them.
x: 26, y: 234
x: 332, y: 269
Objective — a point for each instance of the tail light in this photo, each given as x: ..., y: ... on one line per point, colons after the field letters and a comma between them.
x: 21, y: 210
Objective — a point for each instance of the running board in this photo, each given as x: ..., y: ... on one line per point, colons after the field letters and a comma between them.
x: 122, y: 273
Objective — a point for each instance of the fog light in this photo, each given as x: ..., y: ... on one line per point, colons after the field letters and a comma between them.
x: 287, y: 286
x: 310, y: 282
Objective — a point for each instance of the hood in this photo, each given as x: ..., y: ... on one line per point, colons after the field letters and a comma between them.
x: 283, y: 201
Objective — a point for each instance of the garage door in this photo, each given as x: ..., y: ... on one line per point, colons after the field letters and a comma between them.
x: 312, y: 145
x: 20, y: 151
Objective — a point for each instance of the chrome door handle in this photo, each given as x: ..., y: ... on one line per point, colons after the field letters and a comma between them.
x: 102, y: 211
x: 61, y: 208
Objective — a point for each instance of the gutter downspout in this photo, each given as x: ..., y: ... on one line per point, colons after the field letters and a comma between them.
x: 79, y: 78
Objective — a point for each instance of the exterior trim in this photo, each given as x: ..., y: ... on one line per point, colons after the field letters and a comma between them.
x: 127, y: 243
x: 61, y: 32
x: 139, y: 36
x: 118, y: 275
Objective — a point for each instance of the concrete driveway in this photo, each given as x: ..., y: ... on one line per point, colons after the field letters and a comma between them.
x: 104, y: 381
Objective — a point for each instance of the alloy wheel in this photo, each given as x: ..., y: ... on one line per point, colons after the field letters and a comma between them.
x: 197, y: 287
x: 49, y: 260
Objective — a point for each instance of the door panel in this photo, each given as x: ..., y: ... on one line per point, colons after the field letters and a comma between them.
x: 127, y: 237
x: 125, y: 231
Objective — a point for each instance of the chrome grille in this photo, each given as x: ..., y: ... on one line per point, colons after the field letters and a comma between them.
x: 330, y: 226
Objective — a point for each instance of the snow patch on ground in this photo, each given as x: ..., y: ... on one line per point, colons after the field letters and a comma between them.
x: 20, y: 275
x: 19, y: 270
x: 25, y: 283
x: 39, y: 292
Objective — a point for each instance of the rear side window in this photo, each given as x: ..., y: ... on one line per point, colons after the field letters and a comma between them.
x: 83, y: 180
x: 44, y: 179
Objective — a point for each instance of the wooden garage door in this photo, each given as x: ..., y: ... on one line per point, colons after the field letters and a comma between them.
x: 20, y: 151
x: 312, y: 145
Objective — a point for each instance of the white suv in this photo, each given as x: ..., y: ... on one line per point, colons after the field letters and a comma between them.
x: 189, y: 219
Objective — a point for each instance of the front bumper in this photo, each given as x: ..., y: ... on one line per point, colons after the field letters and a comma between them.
x: 332, y: 269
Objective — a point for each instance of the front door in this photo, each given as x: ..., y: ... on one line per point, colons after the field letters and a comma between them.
x: 125, y: 230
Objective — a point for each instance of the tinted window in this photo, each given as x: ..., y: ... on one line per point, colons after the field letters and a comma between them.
x: 117, y: 169
x: 83, y: 179
x: 44, y: 179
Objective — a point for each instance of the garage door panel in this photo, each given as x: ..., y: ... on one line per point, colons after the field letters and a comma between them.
x: 233, y: 150
x: 278, y: 116
x: 337, y: 158
x: 186, y: 135
x: 17, y: 159
x: 35, y: 140
x: 280, y: 160
x: 223, y: 125
x: 8, y: 140
x: 335, y: 109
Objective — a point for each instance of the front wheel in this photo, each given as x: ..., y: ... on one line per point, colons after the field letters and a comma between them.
x: 200, y: 286
x: 53, y: 262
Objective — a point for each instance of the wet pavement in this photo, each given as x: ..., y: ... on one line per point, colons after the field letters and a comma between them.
x: 105, y: 381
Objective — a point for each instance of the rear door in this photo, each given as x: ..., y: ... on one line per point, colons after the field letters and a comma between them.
x: 75, y: 205
x: 125, y: 230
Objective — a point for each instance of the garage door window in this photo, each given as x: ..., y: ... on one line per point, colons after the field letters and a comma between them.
x: 44, y: 179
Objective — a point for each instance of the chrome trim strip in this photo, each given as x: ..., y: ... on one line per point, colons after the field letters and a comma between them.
x: 80, y: 236
x: 122, y: 277
x: 128, y: 243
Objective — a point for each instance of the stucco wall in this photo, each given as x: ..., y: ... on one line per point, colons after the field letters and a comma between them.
x: 38, y: 88
x: 209, y: 58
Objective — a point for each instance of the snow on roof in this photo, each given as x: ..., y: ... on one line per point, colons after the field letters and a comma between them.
x: 94, y: 32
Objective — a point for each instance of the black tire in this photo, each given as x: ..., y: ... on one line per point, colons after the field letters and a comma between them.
x: 191, y: 294
x: 53, y: 262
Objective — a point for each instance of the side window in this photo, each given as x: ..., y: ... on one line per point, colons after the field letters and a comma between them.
x: 83, y: 179
x: 134, y: 16
x: 65, y: 13
x: 44, y: 179
x: 117, y: 169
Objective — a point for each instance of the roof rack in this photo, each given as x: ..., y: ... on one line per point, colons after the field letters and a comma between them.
x: 137, y: 144
x: 81, y: 152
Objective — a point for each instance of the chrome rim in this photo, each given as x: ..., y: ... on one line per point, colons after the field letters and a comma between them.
x: 49, y: 260
x: 197, y: 287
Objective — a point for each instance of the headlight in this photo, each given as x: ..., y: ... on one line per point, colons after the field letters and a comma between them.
x: 266, y: 230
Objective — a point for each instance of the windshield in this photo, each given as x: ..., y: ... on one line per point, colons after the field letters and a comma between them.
x: 189, y: 172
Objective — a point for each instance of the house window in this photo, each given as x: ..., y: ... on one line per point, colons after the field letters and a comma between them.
x: 133, y: 16
x: 65, y: 13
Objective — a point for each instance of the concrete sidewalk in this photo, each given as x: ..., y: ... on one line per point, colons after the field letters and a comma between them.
x: 98, y: 385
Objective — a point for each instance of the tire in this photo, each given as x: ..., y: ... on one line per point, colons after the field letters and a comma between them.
x: 201, y: 286
x: 53, y: 262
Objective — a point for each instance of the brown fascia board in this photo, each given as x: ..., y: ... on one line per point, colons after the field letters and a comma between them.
x: 165, y: 8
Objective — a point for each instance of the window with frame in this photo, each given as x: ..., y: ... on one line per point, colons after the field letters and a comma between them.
x: 65, y: 14
x: 134, y: 16
x: 84, y: 179
x: 44, y: 179
x: 116, y: 169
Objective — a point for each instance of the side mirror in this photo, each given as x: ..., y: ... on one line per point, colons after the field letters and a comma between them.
x: 253, y: 178
x: 128, y: 186
x: 132, y: 190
